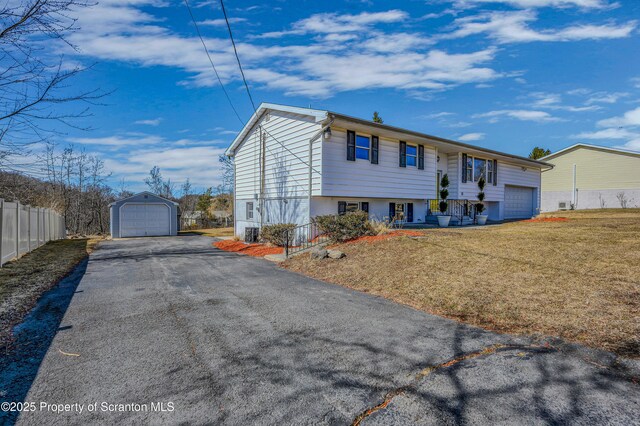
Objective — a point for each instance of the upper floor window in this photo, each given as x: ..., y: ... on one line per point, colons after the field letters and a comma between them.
x: 468, y: 169
x: 363, y: 147
x: 490, y: 172
x: 412, y: 155
x: 479, y: 169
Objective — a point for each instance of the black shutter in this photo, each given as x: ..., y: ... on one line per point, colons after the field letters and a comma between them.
x: 403, y: 154
x: 364, y: 206
x: 351, y: 145
x: 464, y: 168
x: 392, y: 211
x: 409, y: 212
x: 495, y: 172
x: 342, y: 207
x: 421, y: 157
x: 375, y: 142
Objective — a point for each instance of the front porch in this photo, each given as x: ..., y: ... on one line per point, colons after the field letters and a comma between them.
x: 462, y: 212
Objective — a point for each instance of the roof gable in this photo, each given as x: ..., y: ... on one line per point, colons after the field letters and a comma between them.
x: 592, y: 147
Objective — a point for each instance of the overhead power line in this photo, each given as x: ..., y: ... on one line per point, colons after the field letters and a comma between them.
x: 195, y: 24
x: 226, y: 19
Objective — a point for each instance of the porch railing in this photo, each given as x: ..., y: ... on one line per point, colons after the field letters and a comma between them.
x: 455, y: 208
x: 303, y: 237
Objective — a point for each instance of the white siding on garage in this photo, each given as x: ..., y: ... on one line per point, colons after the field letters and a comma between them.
x: 387, y: 179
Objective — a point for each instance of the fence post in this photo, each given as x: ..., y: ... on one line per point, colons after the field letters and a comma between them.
x: 1, y: 229
x: 286, y: 244
x: 28, y: 228
x: 17, y: 229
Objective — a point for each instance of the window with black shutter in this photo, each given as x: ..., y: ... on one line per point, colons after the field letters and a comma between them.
x: 364, y: 206
x: 342, y: 207
x: 409, y: 212
x: 421, y: 157
x: 392, y: 210
x: 351, y: 145
x: 375, y: 144
x: 403, y: 154
x: 464, y: 168
x: 495, y: 172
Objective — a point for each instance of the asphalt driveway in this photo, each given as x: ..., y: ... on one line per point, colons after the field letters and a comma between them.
x: 220, y: 338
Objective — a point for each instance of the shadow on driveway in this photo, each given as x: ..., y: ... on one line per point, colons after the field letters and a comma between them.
x: 21, y: 360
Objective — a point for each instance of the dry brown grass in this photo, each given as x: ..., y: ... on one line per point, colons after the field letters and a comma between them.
x: 211, y: 232
x: 24, y: 280
x: 579, y: 280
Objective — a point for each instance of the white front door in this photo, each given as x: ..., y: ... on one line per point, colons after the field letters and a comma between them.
x: 518, y: 202
x: 145, y: 220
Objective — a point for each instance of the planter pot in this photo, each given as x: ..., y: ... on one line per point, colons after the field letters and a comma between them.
x: 482, y: 219
x: 443, y: 221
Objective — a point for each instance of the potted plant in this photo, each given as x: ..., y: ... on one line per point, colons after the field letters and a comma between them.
x: 481, y: 219
x: 443, y: 219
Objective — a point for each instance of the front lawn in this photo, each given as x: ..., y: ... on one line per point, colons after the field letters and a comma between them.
x: 24, y: 280
x: 577, y: 279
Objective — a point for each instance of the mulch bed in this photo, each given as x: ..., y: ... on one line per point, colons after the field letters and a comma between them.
x: 255, y: 250
x: 547, y: 219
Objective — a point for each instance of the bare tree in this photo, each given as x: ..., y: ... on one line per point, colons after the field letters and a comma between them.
x: 227, y: 175
x: 159, y: 186
x: 33, y: 82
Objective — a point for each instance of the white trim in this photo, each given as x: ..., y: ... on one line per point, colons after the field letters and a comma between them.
x: 589, y: 146
x: 142, y: 204
x: 264, y: 107
x: 143, y: 193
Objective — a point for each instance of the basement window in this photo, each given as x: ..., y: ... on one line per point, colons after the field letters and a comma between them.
x: 249, y: 210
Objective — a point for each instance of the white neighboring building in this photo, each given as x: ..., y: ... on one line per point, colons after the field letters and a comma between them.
x: 292, y: 164
x: 591, y: 177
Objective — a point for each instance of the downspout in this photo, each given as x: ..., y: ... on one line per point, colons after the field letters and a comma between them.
x: 319, y: 133
x: 262, y: 172
x: 573, y: 193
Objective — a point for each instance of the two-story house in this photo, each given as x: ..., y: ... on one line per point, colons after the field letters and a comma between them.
x: 292, y: 164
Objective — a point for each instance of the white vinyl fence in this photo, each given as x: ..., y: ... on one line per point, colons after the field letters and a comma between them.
x: 25, y: 228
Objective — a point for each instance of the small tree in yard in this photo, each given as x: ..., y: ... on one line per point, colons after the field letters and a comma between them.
x: 480, y: 203
x: 444, y: 193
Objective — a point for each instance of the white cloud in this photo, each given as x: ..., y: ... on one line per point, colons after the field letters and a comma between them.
x: 636, y: 82
x: 528, y: 4
x: 513, y: 27
x: 150, y: 122
x: 198, y: 163
x: 553, y: 101
x: 339, y: 23
x: 220, y: 22
x: 319, y: 69
x: 118, y: 141
x: 606, y: 98
x: 524, y: 115
x: 612, y: 133
x: 471, y: 137
x: 629, y: 118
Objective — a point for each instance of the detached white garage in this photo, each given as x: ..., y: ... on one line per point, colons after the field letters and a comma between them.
x: 143, y: 215
x: 518, y: 202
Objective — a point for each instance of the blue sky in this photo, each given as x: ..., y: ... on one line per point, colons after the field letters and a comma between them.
x: 503, y: 74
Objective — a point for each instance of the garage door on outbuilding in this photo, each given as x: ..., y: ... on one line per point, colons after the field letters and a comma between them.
x: 518, y: 202
x: 144, y: 215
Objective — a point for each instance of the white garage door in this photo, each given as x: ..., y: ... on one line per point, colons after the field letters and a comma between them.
x: 518, y: 202
x: 144, y: 220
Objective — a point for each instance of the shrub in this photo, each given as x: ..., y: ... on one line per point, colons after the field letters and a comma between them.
x: 275, y: 234
x: 380, y: 227
x: 344, y: 227
x: 444, y: 193
x: 480, y: 203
